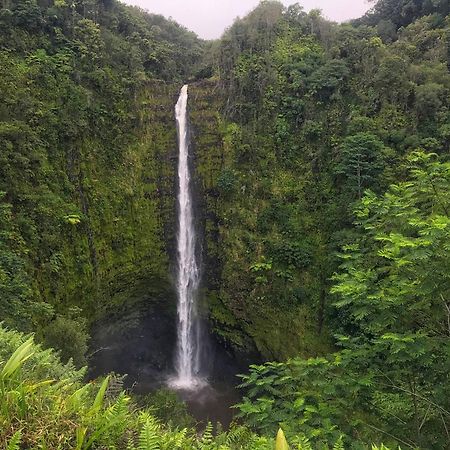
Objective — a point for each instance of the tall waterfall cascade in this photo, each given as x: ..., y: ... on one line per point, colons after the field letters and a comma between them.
x: 188, y: 350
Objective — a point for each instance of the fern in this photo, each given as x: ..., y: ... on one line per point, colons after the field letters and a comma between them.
x: 114, y: 416
x: 130, y: 444
x: 237, y: 435
x: 14, y: 443
x: 117, y: 411
x: 178, y: 440
x: 207, y: 437
x: 303, y: 443
x: 339, y: 445
x: 148, y: 437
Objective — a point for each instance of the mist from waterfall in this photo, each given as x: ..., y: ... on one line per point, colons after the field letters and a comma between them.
x: 188, y: 355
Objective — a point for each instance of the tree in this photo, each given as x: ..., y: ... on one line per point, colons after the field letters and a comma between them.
x: 393, y: 297
x: 429, y: 99
x: 361, y: 161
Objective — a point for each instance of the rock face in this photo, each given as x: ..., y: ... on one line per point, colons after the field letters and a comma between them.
x: 213, y: 157
x: 133, y: 209
x: 110, y: 239
x: 140, y: 342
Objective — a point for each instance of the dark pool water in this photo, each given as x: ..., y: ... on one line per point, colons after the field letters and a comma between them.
x: 211, y: 403
x: 207, y: 403
x: 141, y: 345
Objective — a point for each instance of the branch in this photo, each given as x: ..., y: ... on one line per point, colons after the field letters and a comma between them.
x: 440, y: 408
x: 391, y: 435
x: 448, y: 312
x: 425, y: 417
x: 392, y: 385
x: 445, y: 426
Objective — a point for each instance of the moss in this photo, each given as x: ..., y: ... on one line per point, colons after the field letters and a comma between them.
x: 119, y: 194
x: 246, y: 314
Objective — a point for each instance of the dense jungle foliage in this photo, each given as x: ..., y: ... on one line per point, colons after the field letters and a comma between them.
x: 321, y: 158
x: 81, y: 131
x: 45, y: 405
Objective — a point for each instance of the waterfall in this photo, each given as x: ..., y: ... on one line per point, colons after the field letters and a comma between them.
x: 188, y: 276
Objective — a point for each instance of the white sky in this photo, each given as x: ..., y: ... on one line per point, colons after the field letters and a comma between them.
x: 209, y: 18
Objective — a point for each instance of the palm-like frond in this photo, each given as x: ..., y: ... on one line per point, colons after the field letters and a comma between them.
x: 17, y: 359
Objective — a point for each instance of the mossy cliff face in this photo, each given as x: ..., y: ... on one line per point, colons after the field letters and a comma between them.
x: 132, y: 213
x: 249, y: 299
x: 97, y: 216
x: 128, y: 208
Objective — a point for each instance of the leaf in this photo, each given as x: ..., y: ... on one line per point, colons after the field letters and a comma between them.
x: 80, y: 435
x: 148, y: 437
x: 339, y: 445
x: 14, y: 443
x: 98, y: 402
x: 24, y: 352
x: 281, y: 443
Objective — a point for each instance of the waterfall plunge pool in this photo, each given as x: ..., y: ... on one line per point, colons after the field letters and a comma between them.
x: 141, y: 342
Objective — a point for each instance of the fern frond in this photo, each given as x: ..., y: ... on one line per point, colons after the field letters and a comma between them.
x: 237, y: 435
x: 113, y: 416
x: 130, y: 444
x: 207, y: 436
x: 339, y: 445
x: 179, y: 438
x: 14, y: 443
x: 117, y: 411
x: 303, y: 443
x: 148, y: 437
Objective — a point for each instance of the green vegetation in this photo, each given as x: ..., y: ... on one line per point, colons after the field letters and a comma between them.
x: 44, y: 405
x: 85, y: 131
x: 322, y: 169
x: 316, y: 113
x: 391, y: 374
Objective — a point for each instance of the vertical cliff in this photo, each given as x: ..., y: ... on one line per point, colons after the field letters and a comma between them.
x: 254, y: 304
x: 128, y: 207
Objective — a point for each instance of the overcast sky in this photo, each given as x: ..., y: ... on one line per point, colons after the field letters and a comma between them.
x: 209, y: 18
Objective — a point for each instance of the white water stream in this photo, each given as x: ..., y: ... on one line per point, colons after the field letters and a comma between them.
x: 188, y: 277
